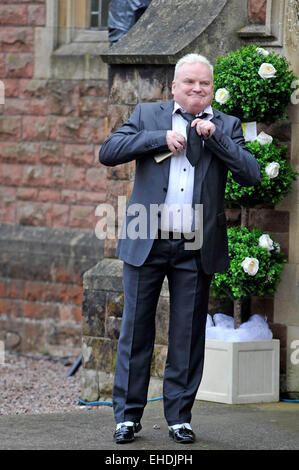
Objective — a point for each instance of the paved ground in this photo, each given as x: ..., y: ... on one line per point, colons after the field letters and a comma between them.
x: 273, y: 426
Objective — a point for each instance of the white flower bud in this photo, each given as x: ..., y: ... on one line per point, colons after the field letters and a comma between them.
x: 263, y: 51
x: 266, y: 242
x: 222, y: 95
x: 267, y: 70
x: 250, y: 266
x: 272, y: 169
x: 264, y: 138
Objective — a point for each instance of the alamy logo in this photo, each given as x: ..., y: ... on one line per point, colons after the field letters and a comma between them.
x: 295, y: 354
x: 295, y: 94
x: 143, y: 222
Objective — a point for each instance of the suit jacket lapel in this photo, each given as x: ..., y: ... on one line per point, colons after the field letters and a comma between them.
x: 202, y: 167
x: 207, y: 155
x: 164, y: 122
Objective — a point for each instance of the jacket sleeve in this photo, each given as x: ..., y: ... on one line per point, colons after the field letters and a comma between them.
x: 131, y: 141
x: 234, y: 154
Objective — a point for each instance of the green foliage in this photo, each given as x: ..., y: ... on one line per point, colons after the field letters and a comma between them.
x: 236, y: 283
x: 253, y: 98
x: 269, y: 190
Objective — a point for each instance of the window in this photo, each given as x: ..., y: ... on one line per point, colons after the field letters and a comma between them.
x: 82, y: 20
x: 270, y: 32
x: 99, y: 14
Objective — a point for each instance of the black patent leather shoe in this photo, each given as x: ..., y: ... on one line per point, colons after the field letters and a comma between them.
x: 182, y: 435
x: 125, y: 433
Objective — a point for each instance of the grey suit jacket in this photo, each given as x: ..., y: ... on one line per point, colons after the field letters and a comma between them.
x: 140, y: 138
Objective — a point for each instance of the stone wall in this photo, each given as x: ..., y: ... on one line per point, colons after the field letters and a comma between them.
x: 50, y: 133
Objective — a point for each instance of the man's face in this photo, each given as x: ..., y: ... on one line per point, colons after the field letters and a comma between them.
x: 193, y: 87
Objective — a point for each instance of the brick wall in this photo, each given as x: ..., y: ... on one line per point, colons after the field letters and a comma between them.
x: 50, y: 134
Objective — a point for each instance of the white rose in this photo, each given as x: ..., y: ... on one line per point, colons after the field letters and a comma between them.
x: 277, y: 247
x: 264, y: 138
x: 272, y: 169
x: 250, y: 266
x: 267, y: 70
x: 266, y: 242
x: 263, y: 51
x: 222, y: 95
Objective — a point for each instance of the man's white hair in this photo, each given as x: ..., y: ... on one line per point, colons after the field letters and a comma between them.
x: 192, y: 59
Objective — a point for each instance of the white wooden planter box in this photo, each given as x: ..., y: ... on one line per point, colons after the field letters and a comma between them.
x: 240, y: 372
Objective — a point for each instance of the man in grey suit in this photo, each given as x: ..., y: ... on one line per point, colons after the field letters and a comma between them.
x: 174, y: 199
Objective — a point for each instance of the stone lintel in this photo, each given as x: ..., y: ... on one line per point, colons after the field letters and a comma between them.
x: 164, y: 32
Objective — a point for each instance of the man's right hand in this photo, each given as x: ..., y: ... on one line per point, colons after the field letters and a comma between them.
x: 176, y: 142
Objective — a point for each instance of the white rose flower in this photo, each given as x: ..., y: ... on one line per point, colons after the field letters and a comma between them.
x: 267, y: 70
x: 266, y: 242
x: 277, y: 247
x: 264, y: 138
x: 272, y: 169
x: 250, y: 266
x: 222, y: 95
x: 263, y: 51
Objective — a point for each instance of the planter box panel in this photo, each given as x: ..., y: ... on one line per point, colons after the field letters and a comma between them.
x: 240, y: 372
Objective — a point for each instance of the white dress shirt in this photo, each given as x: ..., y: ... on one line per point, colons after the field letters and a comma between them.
x: 177, y: 213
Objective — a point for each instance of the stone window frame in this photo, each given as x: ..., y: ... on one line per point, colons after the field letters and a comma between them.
x: 50, y: 44
x: 77, y: 17
x: 270, y: 33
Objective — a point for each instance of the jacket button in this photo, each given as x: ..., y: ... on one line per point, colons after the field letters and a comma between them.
x: 165, y: 190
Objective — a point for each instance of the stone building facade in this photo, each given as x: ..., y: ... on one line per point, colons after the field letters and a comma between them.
x: 65, y: 91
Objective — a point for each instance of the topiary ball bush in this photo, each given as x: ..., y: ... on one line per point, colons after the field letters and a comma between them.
x: 253, y: 84
x: 274, y: 185
x: 247, y: 252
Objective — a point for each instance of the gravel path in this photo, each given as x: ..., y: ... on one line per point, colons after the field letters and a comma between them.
x: 36, y: 384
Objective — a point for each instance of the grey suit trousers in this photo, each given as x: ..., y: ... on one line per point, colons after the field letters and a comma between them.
x: 189, y: 295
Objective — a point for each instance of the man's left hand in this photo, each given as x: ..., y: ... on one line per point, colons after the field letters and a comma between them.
x: 204, y: 128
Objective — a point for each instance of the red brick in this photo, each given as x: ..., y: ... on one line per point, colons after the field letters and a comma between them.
x: 40, y: 310
x: 33, y: 107
x: 36, y: 15
x: 82, y: 217
x: 7, y: 205
x: 68, y: 177
x: 12, y: 288
x: 45, y: 292
x: 34, y: 213
x: 74, y: 294
x: 37, y: 175
x: 96, y: 179
x: 33, y: 88
x: 13, y: 15
x: 80, y: 130
x: 69, y: 196
x: 93, y: 88
x: 79, y: 155
x: 47, y: 195
x: 93, y: 106
x: 11, y: 307
x: 51, y: 153
x: 27, y: 194
x: 94, y: 197
x: 19, y: 65
x: 16, y: 39
x: 11, y: 175
x: 257, y: 11
x: 2, y: 65
x: 11, y: 87
x: 60, y: 215
x: 39, y: 128
x: 19, y: 153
